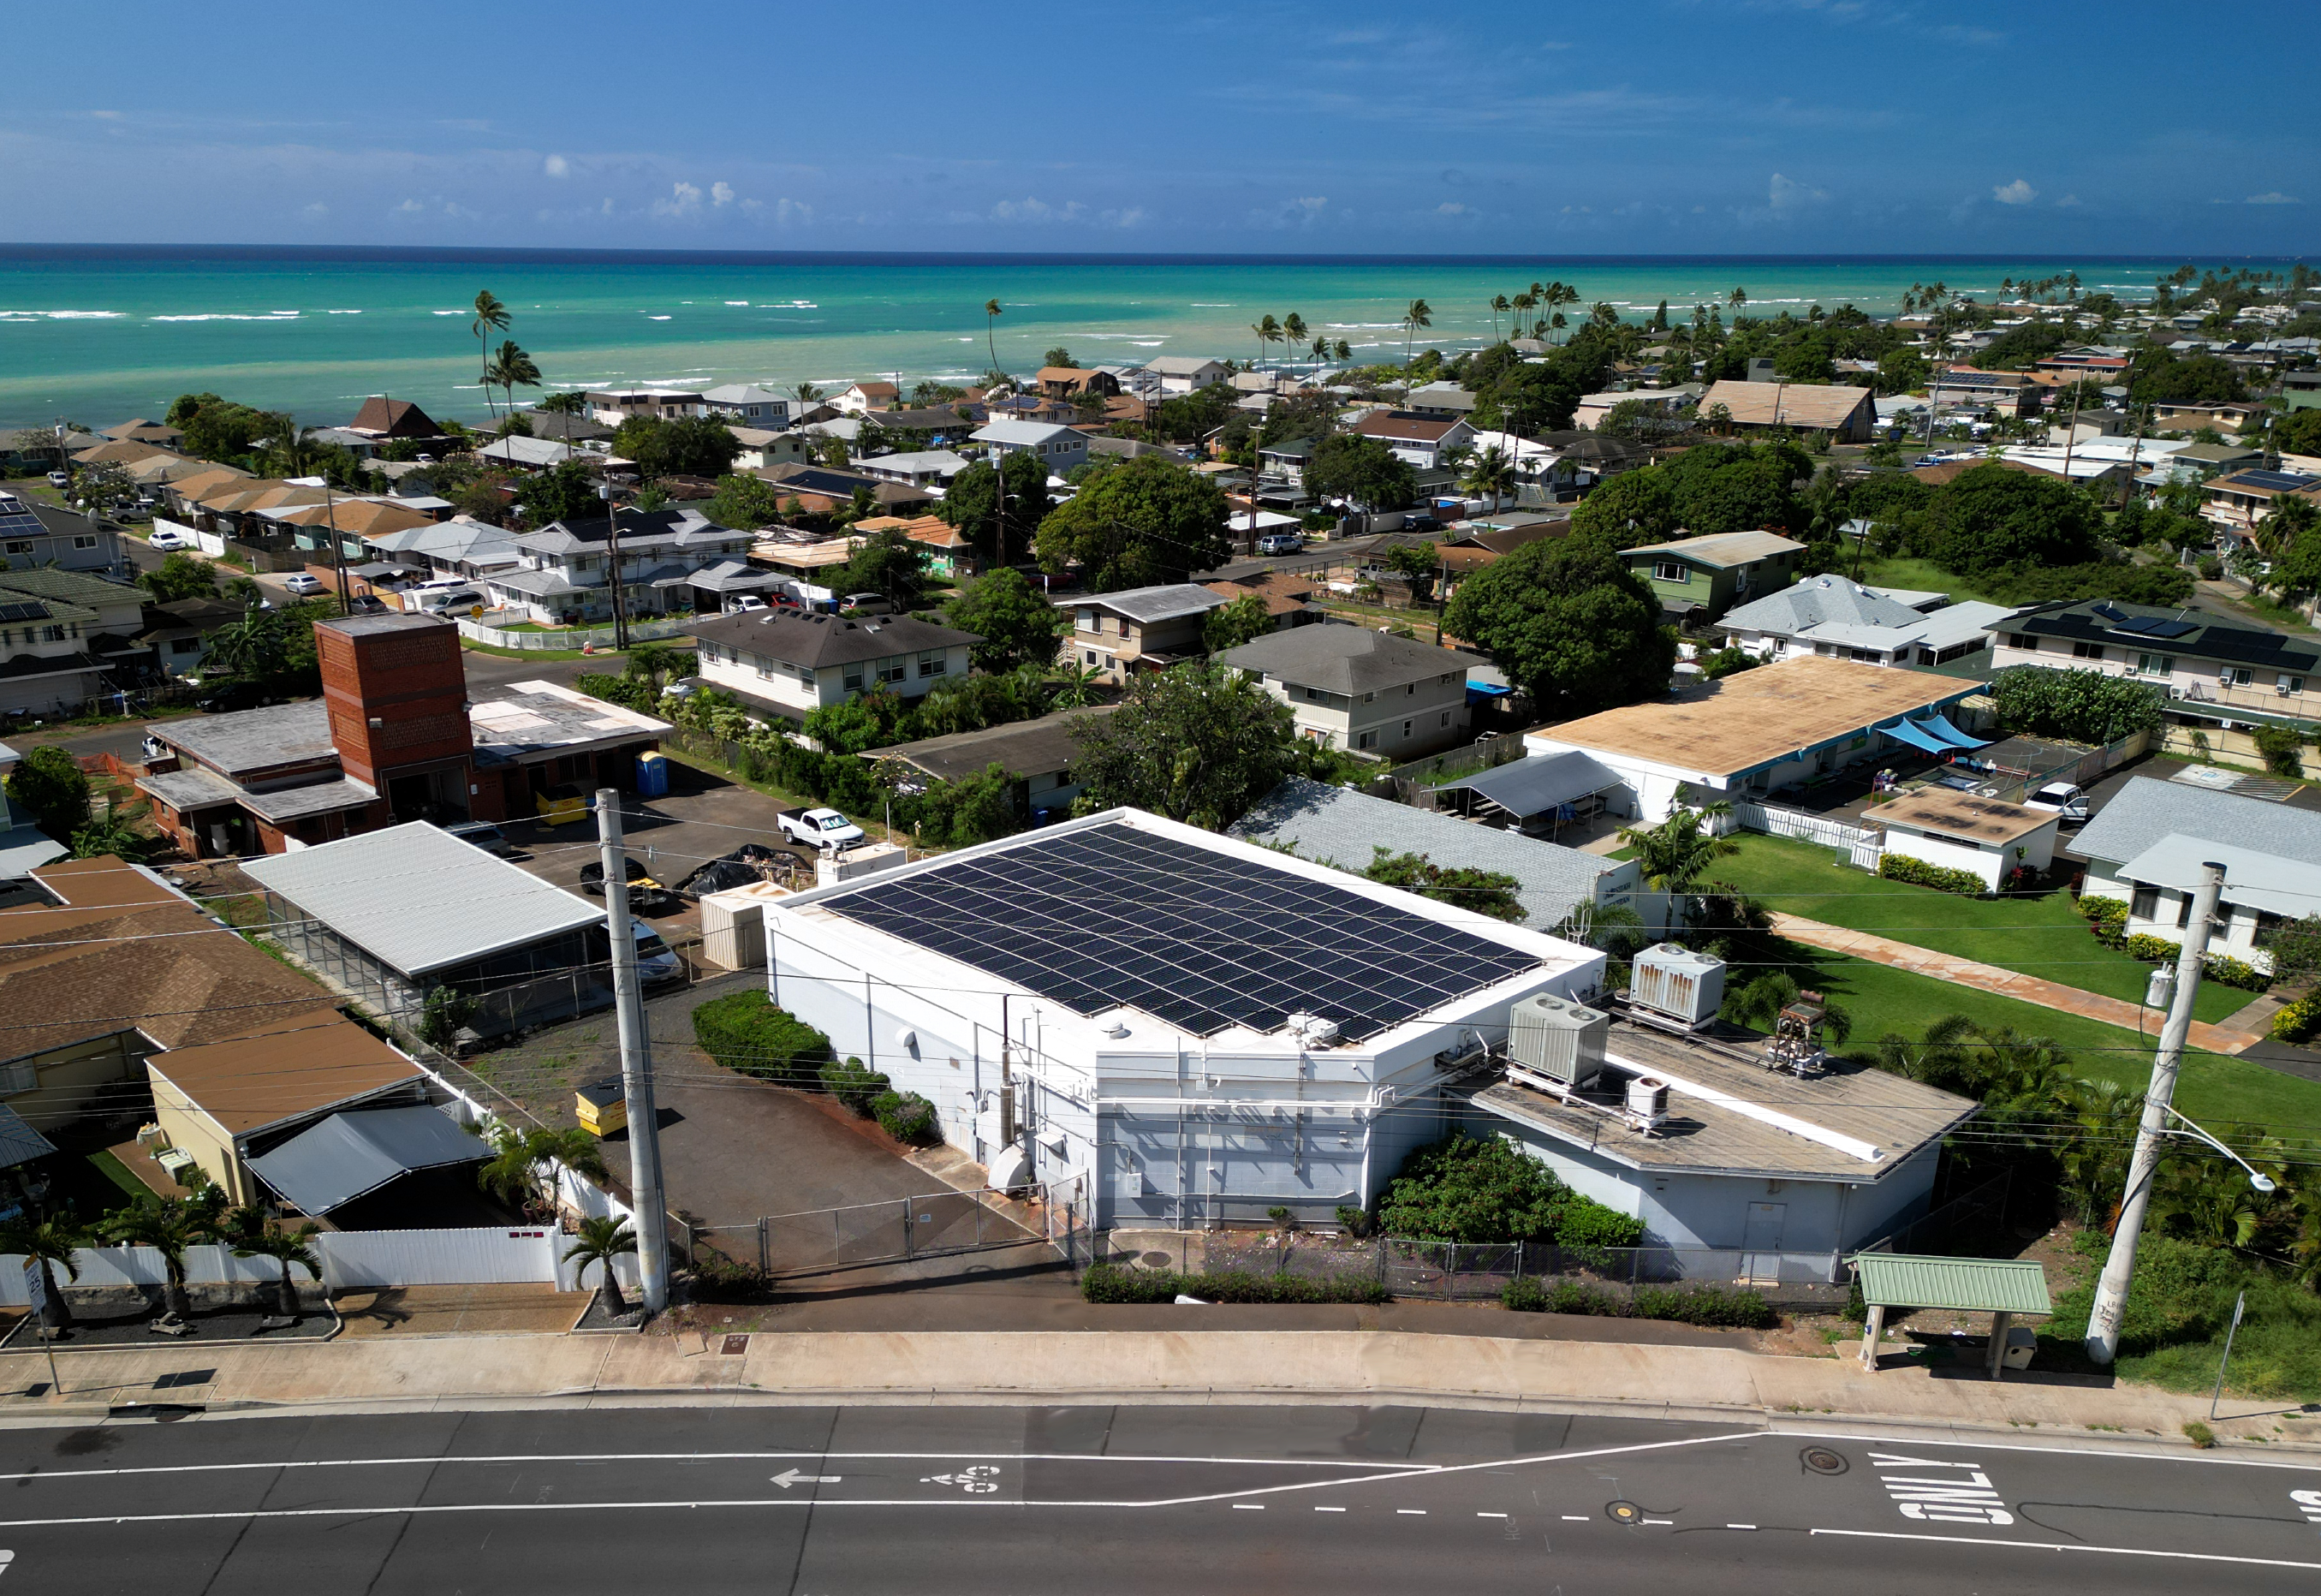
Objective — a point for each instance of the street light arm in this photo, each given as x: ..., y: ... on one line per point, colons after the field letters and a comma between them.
x: 2262, y: 1181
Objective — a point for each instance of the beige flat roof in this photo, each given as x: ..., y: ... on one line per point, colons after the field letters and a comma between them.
x: 1961, y: 815
x: 1743, y: 721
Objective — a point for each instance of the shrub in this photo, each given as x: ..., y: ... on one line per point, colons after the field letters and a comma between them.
x: 2280, y: 746
x: 1465, y: 1190
x: 448, y: 1011
x: 2199, y: 1434
x: 1718, y: 1307
x: 1726, y: 662
x: 2221, y: 968
x: 2106, y: 917
x: 1109, y: 1282
x: 719, y: 1279
x: 1897, y: 867
x: 1354, y: 1221
x: 905, y: 1115
x: 2298, y: 1021
x: 854, y: 1083
x: 746, y: 1032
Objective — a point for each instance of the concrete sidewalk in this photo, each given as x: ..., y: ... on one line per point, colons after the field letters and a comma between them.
x: 1134, y: 1366
x: 2003, y: 983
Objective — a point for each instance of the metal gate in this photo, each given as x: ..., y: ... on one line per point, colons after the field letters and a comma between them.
x: 934, y: 1224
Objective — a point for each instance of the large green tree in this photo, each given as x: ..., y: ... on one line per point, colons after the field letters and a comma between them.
x: 1244, y: 620
x: 1484, y: 892
x: 565, y: 492
x: 1200, y: 742
x: 220, y: 429
x: 1018, y: 625
x: 1632, y: 509
x: 1150, y: 521
x: 744, y: 502
x: 689, y: 446
x: 1361, y: 471
x: 48, y: 786
x: 2165, y: 378
x: 1996, y: 518
x: 1570, y: 625
x: 179, y: 575
x: 891, y: 562
x: 972, y: 503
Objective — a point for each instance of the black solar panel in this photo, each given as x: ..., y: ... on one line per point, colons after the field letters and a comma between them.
x: 1114, y: 917
x: 2157, y: 626
x: 2282, y: 481
x: 24, y: 611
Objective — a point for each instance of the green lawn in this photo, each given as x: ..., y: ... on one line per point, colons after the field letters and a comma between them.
x: 1921, y: 576
x: 2043, y: 936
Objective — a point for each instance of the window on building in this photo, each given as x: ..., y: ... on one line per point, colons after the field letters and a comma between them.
x: 1367, y: 740
x: 2183, y: 911
x: 1087, y: 656
x: 2294, y: 684
x: 2236, y: 676
x: 1446, y: 719
x: 84, y: 539
x: 2158, y: 665
x: 930, y: 663
x: 20, y: 545
x: 1405, y: 727
x: 2029, y: 644
x: 2087, y: 651
x: 2146, y: 906
x: 1087, y: 620
x: 894, y: 670
x: 52, y: 634
x: 1672, y: 570
x: 854, y: 679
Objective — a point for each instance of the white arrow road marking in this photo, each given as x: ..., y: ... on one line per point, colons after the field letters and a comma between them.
x: 789, y: 1477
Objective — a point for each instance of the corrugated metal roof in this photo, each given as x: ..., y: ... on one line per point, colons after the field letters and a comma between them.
x: 349, y: 1154
x: 1973, y: 1285
x: 421, y: 900
x: 18, y: 1142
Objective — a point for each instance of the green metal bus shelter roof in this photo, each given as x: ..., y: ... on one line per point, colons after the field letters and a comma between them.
x: 1973, y: 1285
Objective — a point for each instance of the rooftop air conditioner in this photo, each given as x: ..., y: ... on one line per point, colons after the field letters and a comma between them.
x: 1678, y: 983
x: 1557, y: 1038
x: 1647, y: 1102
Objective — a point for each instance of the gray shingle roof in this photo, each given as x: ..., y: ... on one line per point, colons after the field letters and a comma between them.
x: 2144, y: 811
x: 1344, y: 659
x: 1338, y: 825
x: 1164, y: 603
x: 819, y: 639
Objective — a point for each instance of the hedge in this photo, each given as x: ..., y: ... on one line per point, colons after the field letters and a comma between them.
x: 1109, y: 1282
x: 2107, y: 919
x: 905, y: 1116
x: 1721, y: 1307
x: 745, y: 1031
x: 855, y: 1084
x: 2298, y: 1021
x: 1917, y: 872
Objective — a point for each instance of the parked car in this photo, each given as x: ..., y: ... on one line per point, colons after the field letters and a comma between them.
x: 484, y: 834
x: 366, y: 604
x: 646, y: 896
x: 435, y: 600
x: 168, y: 542
x: 2060, y: 798
x: 745, y: 604
x: 565, y: 801
x: 59, y: 479
x: 304, y: 585
x: 682, y: 687
x: 825, y: 829
x: 866, y: 604
x: 657, y: 962
x: 1280, y: 543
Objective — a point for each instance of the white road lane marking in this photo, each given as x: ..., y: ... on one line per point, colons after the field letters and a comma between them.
x: 1490, y: 1515
x: 1322, y: 1509
x: 1740, y: 1526
x: 1412, y: 1513
x: 1966, y: 1496
x: 1657, y: 1522
x: 1577, y: 1519
x: 2209, y: 1458
x: 1248, y: 1506
x: 1976, y: 1540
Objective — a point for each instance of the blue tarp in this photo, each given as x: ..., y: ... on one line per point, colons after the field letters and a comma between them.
x: 1940, y: 729
x: 1903, y: 732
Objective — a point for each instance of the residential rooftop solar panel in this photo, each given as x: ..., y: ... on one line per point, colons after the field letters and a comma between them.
x: 1114, y: 917
x: 29, y: 611
x: 2285, y: 481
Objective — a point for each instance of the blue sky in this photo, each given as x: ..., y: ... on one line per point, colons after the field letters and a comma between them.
x: 1654, y: 126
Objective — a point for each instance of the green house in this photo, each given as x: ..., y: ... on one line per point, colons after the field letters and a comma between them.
x: 1699, y: 578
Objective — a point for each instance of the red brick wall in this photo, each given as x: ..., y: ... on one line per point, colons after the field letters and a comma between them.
x: 412, y: 680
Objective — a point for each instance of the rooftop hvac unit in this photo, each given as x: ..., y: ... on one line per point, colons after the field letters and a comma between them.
x: 1685, y: 986
x: 1558, y: 1038
x: 1648, y: 1102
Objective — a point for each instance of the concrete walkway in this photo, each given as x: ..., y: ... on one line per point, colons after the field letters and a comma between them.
x: 1168, y: 1367
x: 2003, y: 983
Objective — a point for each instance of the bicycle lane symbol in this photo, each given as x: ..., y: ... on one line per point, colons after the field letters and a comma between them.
x: 982, y: 1480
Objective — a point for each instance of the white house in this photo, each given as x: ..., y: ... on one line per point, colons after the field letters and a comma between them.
x: 865, y: 396
x: 1181, y: 374
x: 614, y: 406
x: 1061, y: 448
x: 748, y: 405
x: 1113, y: 998
x: 1829, y: 616
x: 1959, y: 831
x: 925, y: 467
x: 566, y: 571
x: 2146, y: 847
x: 1421, y: 440
x: 787, y: 663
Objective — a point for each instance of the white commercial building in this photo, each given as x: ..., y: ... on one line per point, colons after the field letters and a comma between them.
x: 1204, y: 1028
x: 1953, y: 830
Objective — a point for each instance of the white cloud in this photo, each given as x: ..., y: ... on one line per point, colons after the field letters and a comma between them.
x: 2017, y: 193
x: 1786, y: 194
x: 1313, y: 206
x: 556, y: 165
x: 2069, y: 202
x: 1450, y: 207
x: 721, y: 194
x: 789, y: 210
x: 1131, y: 217
x: 1037, y: 210
x: 684, y: 200
x: 409, y: 207
x: 2274, y: 198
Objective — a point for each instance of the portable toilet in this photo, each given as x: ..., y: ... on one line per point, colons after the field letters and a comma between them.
x: 653, y: 774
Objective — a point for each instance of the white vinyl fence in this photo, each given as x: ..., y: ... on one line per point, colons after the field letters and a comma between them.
x: 352, y: 1260
x: 1863, y: 848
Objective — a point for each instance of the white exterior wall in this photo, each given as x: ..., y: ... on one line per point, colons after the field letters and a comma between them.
x: 788, y: 685
x: 2262, y: 692
x: 1647, y: 792
x: 1989, y: 861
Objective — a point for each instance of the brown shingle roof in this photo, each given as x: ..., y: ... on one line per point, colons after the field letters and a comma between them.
x: 1405, y: 428
x: 393, y: 418
x: 282, y: 1069
x: 1808, y: 405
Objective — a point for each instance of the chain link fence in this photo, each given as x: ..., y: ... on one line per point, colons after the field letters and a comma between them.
x: 934, y: 1224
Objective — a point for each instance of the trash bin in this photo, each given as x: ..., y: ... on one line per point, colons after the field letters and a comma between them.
x: 2021, y: 1343
x: 653, y: 774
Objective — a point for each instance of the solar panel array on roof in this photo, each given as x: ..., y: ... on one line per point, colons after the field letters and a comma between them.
x: 1113, y: 916
x: 24, y: 611
x: 2154, y: 627
x: 2285, y: 481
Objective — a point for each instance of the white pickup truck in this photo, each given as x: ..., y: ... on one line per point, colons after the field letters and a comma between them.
x: 825, y: 829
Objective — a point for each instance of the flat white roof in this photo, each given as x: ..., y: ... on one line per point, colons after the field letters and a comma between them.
x: 419, y: 899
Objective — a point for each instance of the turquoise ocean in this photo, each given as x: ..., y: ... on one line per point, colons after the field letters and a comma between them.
x: 98, y: 335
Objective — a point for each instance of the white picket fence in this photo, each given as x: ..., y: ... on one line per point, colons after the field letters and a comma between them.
x: 352, y: 1260
x: 1863, y: 848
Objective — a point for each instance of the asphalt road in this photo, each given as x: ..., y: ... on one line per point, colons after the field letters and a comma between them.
x: 1016, y: 1501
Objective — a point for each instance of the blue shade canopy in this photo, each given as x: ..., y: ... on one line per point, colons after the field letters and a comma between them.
x: 1939, y: 728
x: 1906, y: 731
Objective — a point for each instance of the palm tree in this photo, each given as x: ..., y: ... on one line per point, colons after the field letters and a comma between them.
x: 1078, y: 685
x: 1293, y: 328
x: 170, y: 1225
x: 1267, y: 331
x: 991, y: 322
x: 51, y: 1244
x: 1321, y: 348
x: 1736, y: 299
x: 1522, y: 304
x: 521, y: 1169
x: 1490, y: 471
x: 806, y: 393
x: 250, y: 1237
x: 1344, y: 351
x: 602, y: 1240
x: 1498, y: 306
x: 1674, y: 856
x: 511, y: 368
x: 1416, y: 314
x: 491, y: 317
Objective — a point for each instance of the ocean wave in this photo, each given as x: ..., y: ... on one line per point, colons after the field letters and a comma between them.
x: 656, y: 318
x: 743, y: 303
x: 62, y: 315
x: 229, y: 316
x: 449, y: 312
x: 342, y: 313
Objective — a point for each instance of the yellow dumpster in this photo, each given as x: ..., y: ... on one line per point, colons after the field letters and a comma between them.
x: 602, y: 1108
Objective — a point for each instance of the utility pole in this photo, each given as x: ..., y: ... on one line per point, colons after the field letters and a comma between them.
x: 338, y: 552
x: 2119, y: 1269
x: 636, y: 1063
x: 620, y: 586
